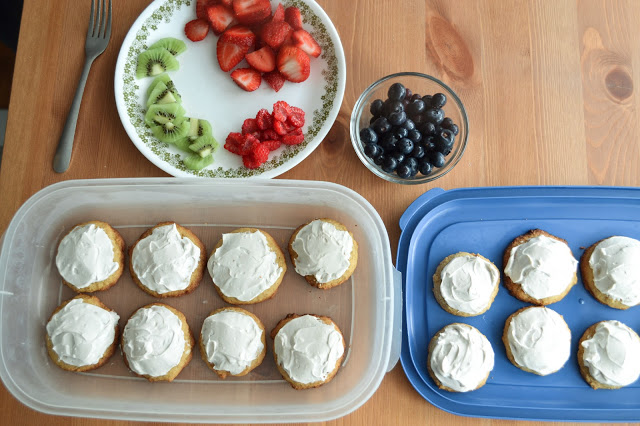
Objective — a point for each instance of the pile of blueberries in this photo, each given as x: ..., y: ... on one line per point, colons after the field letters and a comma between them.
x: 409, y: 133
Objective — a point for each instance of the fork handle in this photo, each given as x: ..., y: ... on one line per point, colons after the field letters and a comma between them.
x: 62, y: 157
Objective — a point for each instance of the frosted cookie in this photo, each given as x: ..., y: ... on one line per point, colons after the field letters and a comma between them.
x: 324, y: 252
x: 611, y: 271
x: 465, y: 284
x: 167, y: 260
x: 539, y: 268
x: 459, y: 358
x: 156, y: 342
x: 82, y: 334
x: 537, y: 340
x: 308, y: 350
x: 232, y: 342
x: 90, y: 257
x: 609, y: 355
x: 246, y: 266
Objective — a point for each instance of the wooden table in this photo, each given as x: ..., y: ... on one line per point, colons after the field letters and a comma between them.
x: 548, y: 86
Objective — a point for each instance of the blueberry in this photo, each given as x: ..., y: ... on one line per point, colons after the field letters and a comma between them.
x: 408, y: 93
x: 434, y: 115
x: 424, y: 167
x: 381, y: 125
x: 437, y: 159
x: 403, y: 171
x: 416, y: 107
x: 427, y: 99
x: 438, y: 100
x: 397, y: 92
x: 429, y: 144
x: 418, y: 151
x: 415, y: 97
x: 376, y: 108
x: 405, y: 102
x: 454, y: 129
x: 389, y: 164
x: 443, y: 146
x: 378, y: 160
x: 428, y: 129
x: 392, y: 107
x: 411, y: 162
x: 409, y: 124
x: 367, y: 135
x: 388, y: 142
x: 398, y: 156
x: 372, y: 119
x: 372, y: 150
x: 446, y: 123
x: 400, y: 132
x: 397, y: 118
x: 445, y: 135
x: 405, y: 146
x: 415, y: 135
x: 419, y: 119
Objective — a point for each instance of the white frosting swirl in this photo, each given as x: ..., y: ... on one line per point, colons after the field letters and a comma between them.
x: 85, y: 256
x: 232, y: 340
x: 542, y: 266
x: 612, y: 355
x: 244, y: 265
x: 153, y: 341
x: 81, y: 332
x: 539, y: 339
x: 323, y: 251
x: 615, y: 263
x: 164, y: 261
x: 308, y: 349
x: 468, y: 282
x: 462, y: 357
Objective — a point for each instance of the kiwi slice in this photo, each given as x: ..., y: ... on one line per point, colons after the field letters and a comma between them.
x: 183, y: 144
x: 204, y: 145
x: 171, y: 131
x: 164, y: 78
x: 173, y: 45
x: 155, y: 61
x: 161, y: 95
x: 159, y: 114
x: 195, y: 162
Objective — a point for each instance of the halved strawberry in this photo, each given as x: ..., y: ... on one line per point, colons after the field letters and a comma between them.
x: 260, y: 152
x: 293, y: 16
x: 247, y: 78
x: 282, y: 127
x: 278, y: 15
x: 250, y: 125
x: 233, y: 142
x: 293, y: 64
x: 269, y: 134
x: 263, y: 60
x: 264, y: 119
x: 250, y: 162
x: 274, y: 79
x: 296, y: 117
x: 197, y: 29
x: 293, y: 138
x: 240, y: 35
x: 272, y: 144
x: 229, y: 54
x: 281, y: 111
x: 274, y: 33
x: 241, y: 144
x: 252, y: 11
x: 201, y: 8
x: 220, y: 17
x: 304, y: 41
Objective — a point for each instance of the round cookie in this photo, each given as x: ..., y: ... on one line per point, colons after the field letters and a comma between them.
x: 465, y: 284
x: 307, y: 364
x: 81, y: 334
x: 546, y: 279
x: 537, y: 340
x: 167, y: 260
x: 246, y: 266
x: 90, y: 257
x: 324, y: 252
x: 611, y: 271
x: 466, y: 373
x: 148, y: 325
x: 597, y: 346
x: 232, y: 341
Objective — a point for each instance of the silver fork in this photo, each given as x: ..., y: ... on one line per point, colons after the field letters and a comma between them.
x: 98, y: 35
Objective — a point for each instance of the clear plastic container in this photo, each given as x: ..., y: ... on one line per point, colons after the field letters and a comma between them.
x: 367, y: 308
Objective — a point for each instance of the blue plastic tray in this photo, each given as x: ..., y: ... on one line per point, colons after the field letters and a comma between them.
x: 485, y: 220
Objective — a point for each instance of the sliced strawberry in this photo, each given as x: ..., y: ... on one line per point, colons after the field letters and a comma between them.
x: 274, y: 33
x: 252, y: 11
x: 272, y: 144
x: 282, y: 127
x: 247, y: 78
x: 250, y: 125
x: 269, y: 134
x: 247, y: 144
x: 197, y: 29
x: 229, y: 54
x: 293, y: 16
x: 220, y: 17
x: 304, y: 41
x: 293, y: 64
x: 240, y: 35
x: 274, y: 79
x: 260, y: 152
x: 278, y: 15
x: 233, y: 142
x: 263, y: 60
x: 264, y: 120
x: 227, y: 3
x: 296, y: 117
x: 293, y: 138
x: 201, y: 7
x: 281, y: 111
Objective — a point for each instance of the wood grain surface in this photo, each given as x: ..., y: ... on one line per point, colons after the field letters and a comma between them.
x: 549, y: 87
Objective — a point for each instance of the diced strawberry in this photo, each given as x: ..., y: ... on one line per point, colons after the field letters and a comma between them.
x: 269, y: 134
x: 304, y: 41
x: 264, y: 120
x: 278, y: 15
x: 293, y: 64
x: 282, y: 127
x: 281, y: 111
x: 220, y: 17
x: 197, y: 29
x: 233, y: 142
x: 274, y: 33
x: 227, y: 3
x: 293, y: 138
x: 260, y: 152
x: 250, y: 125
x: 247, y: 78
x: 240, y: 35
x: 229, y: 54
x: 252, y: 11
x: 296, y: 116
x: 274, y: 79
x: 201, y: 8
x: 293, y: 16
x: 272, y: 144
x: 263, y: 60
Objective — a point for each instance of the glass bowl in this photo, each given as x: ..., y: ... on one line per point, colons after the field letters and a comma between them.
x: 424, y: 85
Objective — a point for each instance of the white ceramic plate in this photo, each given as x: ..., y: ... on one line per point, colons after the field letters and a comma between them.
x: 209, y: 93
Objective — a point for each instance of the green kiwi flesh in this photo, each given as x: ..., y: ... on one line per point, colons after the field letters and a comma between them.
x: 161, y: 95
x: 204, y: 145
x: 183, y: 144
x: 196, y: 162
x: 155, y: 61
x: 173, y: 45
x: 164, y: 78
x: 159, y: 114
x: 171, y: 131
